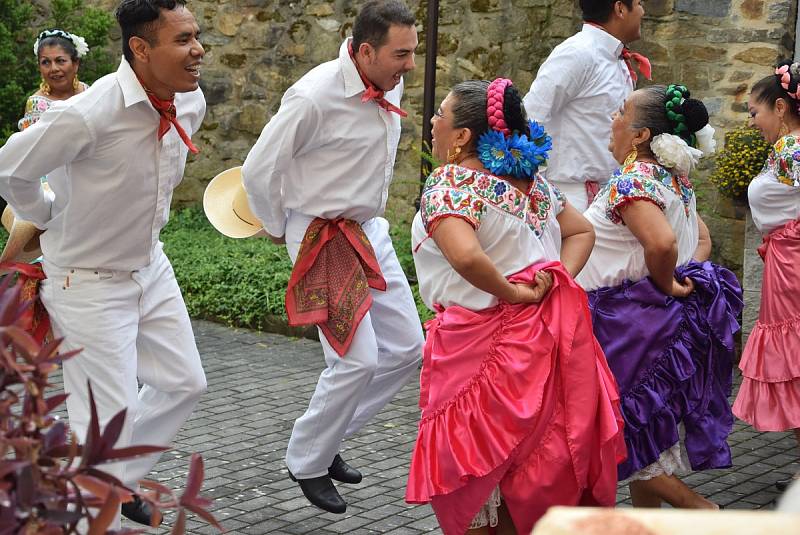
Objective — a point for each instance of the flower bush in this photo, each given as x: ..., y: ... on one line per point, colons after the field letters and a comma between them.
x: 739, y: 161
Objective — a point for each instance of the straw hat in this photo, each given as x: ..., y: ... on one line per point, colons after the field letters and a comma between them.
x: 226, y: 207
x: 23, y: 239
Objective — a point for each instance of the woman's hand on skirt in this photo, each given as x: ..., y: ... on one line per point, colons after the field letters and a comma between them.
x: 682, y: 289
x: 534, y: 293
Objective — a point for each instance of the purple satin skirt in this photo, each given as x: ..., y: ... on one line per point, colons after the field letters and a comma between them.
x: 673, y: 361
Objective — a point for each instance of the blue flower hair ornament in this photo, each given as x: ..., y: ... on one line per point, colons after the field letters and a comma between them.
x: 517, y: 155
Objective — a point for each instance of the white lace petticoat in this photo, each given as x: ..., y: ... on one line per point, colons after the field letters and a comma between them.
x: 670, y: 461
x: 487, y: 516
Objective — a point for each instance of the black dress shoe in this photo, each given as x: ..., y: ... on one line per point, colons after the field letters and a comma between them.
x: 341, y: 471
x: 139, y: 511
x: 321, y: 492
x: 783, y: 484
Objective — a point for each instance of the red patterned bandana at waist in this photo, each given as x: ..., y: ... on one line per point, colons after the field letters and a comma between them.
x: 642, y: 63
x: 330, y: 282
x: 34, y: 320
x: 373, y: 93
x: 169, y: 116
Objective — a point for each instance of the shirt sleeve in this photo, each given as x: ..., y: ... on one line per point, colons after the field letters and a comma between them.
x: 443, y: 200
x: 556, y: 83
x: 630, y: 187
x: 785, y: 160
x: 557, y: 198
x: 30, y: 115
x: 59, y: 137
x: 291, y: 132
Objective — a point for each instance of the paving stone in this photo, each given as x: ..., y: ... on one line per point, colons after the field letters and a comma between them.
x: 259, y: 383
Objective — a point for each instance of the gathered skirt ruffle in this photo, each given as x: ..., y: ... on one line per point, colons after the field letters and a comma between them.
x: 673, y: 362
x: 769, y: 398
x: 505, y: 387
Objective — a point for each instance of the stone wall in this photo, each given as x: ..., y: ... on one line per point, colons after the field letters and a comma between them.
x: 258, y: 48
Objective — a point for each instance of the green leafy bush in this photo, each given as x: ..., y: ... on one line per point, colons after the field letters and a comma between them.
x: 19, y: 25
x: 739, y: 161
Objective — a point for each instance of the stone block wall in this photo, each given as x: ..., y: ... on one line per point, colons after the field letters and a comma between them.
x: 258, y: 48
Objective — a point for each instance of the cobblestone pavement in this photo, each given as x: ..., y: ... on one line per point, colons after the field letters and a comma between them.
x: 259, y: 383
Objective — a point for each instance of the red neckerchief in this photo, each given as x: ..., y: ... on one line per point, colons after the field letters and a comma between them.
x: 642, y: 63
x: 629, y: 57
x: 169, y: 116
x: 372, y: 92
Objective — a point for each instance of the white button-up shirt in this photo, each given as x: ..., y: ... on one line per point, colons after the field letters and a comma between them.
x: 324, y: 153
x: 576, y: 90
x: 112, y: 177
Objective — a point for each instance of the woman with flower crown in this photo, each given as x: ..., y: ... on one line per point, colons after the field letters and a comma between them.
x: 59, y: 56
x: 519, y: 409
x: 769, y: 398
x: 665, y: 316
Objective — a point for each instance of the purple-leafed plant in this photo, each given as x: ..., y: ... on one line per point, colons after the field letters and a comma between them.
x: 48, y: 482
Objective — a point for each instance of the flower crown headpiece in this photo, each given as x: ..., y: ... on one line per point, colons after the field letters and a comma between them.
x: 80, y: 43
x: 504, y: 152
x: 784, y: 73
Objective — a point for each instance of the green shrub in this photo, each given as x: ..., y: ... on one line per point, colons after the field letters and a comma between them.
x: 19, y: 25
x: 242, y: 282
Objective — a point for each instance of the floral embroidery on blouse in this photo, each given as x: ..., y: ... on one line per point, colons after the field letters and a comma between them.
x: 34, y: 108
x: 452, y: 190
x: 638, y: 182
x: 784, y: 160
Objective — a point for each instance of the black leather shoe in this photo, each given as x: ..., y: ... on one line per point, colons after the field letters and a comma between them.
x: 341, y: 471
x: 783, y: 484
x: 139, y: 511
x: 321, y: 492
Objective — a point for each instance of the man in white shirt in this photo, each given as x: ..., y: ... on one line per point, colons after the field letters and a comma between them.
x: 112, y: 161
x: 328, y: 155
x: 577, y: 89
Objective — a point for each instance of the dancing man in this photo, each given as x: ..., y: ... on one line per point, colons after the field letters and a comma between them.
x: 113, y: 155
x: 583, y: 81
x: 318, y: 179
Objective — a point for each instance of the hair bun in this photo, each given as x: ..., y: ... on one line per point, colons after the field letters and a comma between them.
x: 696, y: 114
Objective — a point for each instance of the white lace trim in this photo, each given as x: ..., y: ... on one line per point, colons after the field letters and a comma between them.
x: 670, y: 461
x: 487, y: 516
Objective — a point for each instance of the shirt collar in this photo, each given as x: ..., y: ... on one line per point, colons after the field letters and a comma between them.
x: 605, y: 40
x: 132, y: 90
x: 352, y: 80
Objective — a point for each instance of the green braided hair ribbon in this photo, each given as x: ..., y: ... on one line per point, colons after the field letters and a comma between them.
x: 676, y: 94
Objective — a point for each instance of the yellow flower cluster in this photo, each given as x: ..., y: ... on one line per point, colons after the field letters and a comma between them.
x: 740, y: 161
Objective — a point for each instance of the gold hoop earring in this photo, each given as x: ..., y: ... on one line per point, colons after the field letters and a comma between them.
x: 76, y: 83
x: 632, y: 155
x: 44, y: 87
x: 451, y: 158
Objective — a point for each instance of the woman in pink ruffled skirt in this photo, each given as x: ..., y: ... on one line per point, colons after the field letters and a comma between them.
x: 519, y: 408
x: 769, y: 398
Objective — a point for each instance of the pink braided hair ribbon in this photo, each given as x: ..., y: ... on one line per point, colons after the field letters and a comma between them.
x: 785, y: 78
x: 495, y: 96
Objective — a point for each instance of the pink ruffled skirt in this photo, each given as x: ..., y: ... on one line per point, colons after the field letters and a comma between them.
x: 520, y: 397
x: 769, y: 398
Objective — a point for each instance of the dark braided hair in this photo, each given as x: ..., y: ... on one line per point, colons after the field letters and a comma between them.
x: 682, y: 119
x: 769, y: 89
x: 469, y: 108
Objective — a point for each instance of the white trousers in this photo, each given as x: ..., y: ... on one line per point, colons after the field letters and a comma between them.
x: 575, y: 192
x: 128, y: 325
x: 384, y: 355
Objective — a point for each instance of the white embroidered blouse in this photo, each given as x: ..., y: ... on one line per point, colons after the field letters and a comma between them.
x: 774, y: 195
x: 515, y: 229
x: 617, y: 253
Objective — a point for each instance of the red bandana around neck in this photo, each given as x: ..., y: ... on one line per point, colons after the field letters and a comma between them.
x: 642, y: 63
x: 629, y: 57
x: 372, y: 92
x: 169, y: 116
